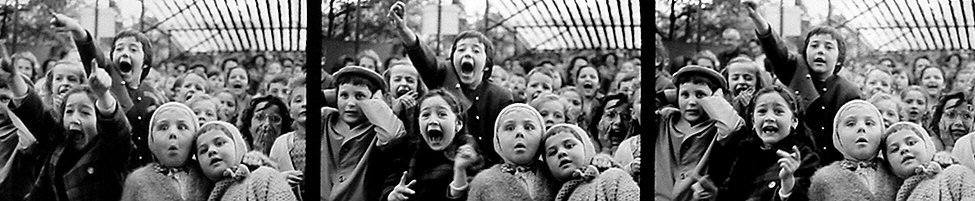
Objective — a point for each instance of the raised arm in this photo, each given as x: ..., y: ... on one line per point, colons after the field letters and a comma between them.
x: 422, y: 57
x: 775, y: 50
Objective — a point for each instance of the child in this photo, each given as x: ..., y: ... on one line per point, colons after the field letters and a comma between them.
x: 772, y: 160
x: 858, y: 134
x: 228, y: 106
x: 444, y: 159
x: 901, y: 78
x: 951, y: 120
x: 90, y: 146
x: 587, y: 81
x: 357, y: 136
x: 920, y: 64
x: 190, y: 85
x: 689, y: 131
x: 278, y: 87
x: 888, y: 106
x: 915, y: 107
x: 813, y: 74
x: 465, y: 76
x: 743, y: 76
x: 65, y: 76
x: 568, y: 149
x: 613, y: 126
x: 238, y: 82
x: 220, y: 150
x: 204, y: 107
x: 406, y: 86
x: 878, y: 81
x: 933, y: 81
x: 19, y: 163
x: 517, y: 85
x: 909, y: 151
x: 540, y: 80
x: 174, y: 175
x: 499, y: 76
x: 551, y: 109
x: 520, y: 176
x: 288, y: 150
x: 569, y: 96
x: 216, y: 79
x: 263, y: 121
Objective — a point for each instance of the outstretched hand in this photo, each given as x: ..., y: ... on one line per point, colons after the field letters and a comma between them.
x: 64, y: 23
x: 396, y: 16
x: 402, y: 190
x: 789, y: 162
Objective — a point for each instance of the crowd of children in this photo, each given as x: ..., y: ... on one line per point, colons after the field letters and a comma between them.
x: 123, y: 127
x: 809, y: 124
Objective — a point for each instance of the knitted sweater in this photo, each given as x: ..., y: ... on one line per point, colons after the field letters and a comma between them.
x: 262, y: 184
x: 494, y: 184
x: 956, y: 182
x: 146, y: 183
x: 833, y: 182
x: 612, y: 184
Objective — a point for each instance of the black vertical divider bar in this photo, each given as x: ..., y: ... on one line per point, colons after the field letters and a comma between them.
x: 279, y: 43
x: 562, y: 23
x: 228, y: 43
x: 313, y: 58
x: 263, y: 30
x: 599, y: 26
x: 610, y: 28
x: 633, y: 35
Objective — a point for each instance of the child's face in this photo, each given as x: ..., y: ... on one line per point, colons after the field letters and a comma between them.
x: 877, y: 82
x: 888, y: 108
x: 499, y: 76
x: 216, y: 82
x: 705, y: 62
x: 905, y: 152
x: 24, y: 66
x: 519, y: 136
x: 63, y: 80
x: 438, y: 123
x: 539, y: 83
x: 517, y: 86
x: 627, y: 87
x: 129, y: 50
x: 859, y: 132
x: 216, y: 152
x: 469, y: 59
x: 348, y: 102
x: 687, y: 99
x: 588, y: 81
x: 921, y: 64
x: 205, y: 111
x: 955, y: 122
x: 564, y: 154
x: 403, y: 79
x: 553, y: 112
x: 932, y: 80
x: 79, y: 120
x: 915, y: 106
x: 614, y: 122
x: 901, y: 81
x: 297, y: 104
x: 773, y: 119
x: 740, y: 79
x: 265, y: 125
x: 963, y: 80
x: 237, y: 81
x: 274, y: 68
x: 367, y: 62
x: 192, y: 84
x: 278, y: 89
x: 228, y: 106
x: 173, y: 133
x: 822, y: 51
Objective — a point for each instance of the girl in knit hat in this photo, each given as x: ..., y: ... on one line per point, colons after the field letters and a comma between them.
x: 220, y: 150
x: 517, y: 138
x: 910, y: 151
x: 174, y: 176
x: 568, y: 150
x: 858, y: 132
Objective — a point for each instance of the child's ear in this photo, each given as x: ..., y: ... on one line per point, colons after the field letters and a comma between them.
x: 459, y: 126
x: 795, y: 122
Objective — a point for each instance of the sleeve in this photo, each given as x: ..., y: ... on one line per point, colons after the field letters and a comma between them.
x: 817, y: 187
x: 131, y: 189
x: 622, y: 186
x: 778, y: 55
x: 279, y: 153
x: 476, y: 191
x: 36, y: 116
x: 431, y: 71
x: 87, y: 51
x: 962, y: 185
x: 388, y: 127
x: 278, y: 189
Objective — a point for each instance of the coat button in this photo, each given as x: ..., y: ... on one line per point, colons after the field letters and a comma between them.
x: 91, y: 170
x: 807, y: 76
x: 341, y: 178
x: 477, y: 117
x: 138, y: 98
x: 682, y: 176
x: 824, y: 90
x: 138, y: 118
x: 771, y: 185
x: 477, y: 98
x: 822, y: 107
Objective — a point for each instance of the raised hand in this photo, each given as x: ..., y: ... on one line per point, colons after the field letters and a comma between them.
x: 99, y: 80
x: 404, y: 102
x: 402, y: 190
x: 396, y: 16
x: 466, y: 156
x: 63, y: 23
x: 789, y: 162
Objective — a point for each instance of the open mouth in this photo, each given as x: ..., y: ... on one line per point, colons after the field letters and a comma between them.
x: 435, y: 133
x: 76, y: 135
x: 958, y: 132
x: 125, y: 65
x: 741, y: 87
x: 819, y: 60
x: 769, y: 129
x: 466, y: 65
x: 520, y: 145
x: 63, y: 89
x: 402, y: 90
x: 587, y: 85
x: 237, y: 86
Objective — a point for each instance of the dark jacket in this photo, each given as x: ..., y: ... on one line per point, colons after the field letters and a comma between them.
x: 98, y: 172
x: 138, y: 104
x: 743, y: 170
x: 432, y: 170
x: 481, y: 106
x: 818, y: 101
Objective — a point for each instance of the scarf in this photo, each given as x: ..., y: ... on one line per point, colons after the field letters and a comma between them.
x: 581, y: 176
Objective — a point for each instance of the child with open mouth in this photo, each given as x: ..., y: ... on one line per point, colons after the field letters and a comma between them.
x: 861, y: 175
x: 445, y: 158
x: 915, y: 107
x: 174, y: 175
x: 568, y: 152
x: 933, y: 81
x: 910, y: 152
x: 521, y: 176
x: 65, y: 76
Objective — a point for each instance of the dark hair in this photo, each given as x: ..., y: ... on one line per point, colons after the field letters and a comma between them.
x: 244, y: 121
x: 357, y: 80
x: 454, y: 106
x: 224, y: 63
x: 790, y: 100
x: 254, y: 60
x: 697, y: 79
x: 598, y: 110
x: 835, y: 34
x: 84, y: 88
x: 919, y: 58
x: 231, y: 70
x: 488, y: 49
x: 545, y: 62
x: 146, y: 48
x: 942, y: 105
x: 214, y: 73
x: 199, y: 66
